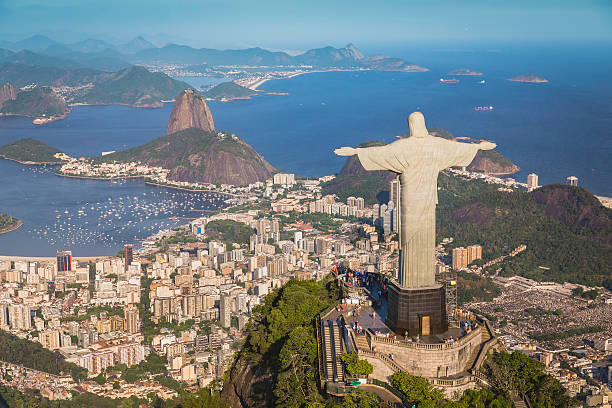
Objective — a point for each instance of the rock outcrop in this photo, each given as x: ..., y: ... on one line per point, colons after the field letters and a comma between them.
x: 8, y: 92
x: 190, y: 111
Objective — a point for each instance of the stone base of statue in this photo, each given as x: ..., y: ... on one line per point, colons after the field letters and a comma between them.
x: 420, y: 311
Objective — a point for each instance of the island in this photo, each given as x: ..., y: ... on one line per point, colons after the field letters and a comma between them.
x: 32, y: 151
x: 229, y: 91
x: 465, y: 72
x: 8, y: 223
x: 529, y: 78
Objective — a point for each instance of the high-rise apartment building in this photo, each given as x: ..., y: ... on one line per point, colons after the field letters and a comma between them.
x: 532, y: 182
x: 20, y: 317
x: 460, y: 258
x: 64, y: 261
x: 128, y: 250
x: 225, y: 310
x: 394, y: 191
x: 474, y: 253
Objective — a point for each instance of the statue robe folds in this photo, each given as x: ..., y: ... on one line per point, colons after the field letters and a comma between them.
x: 417, y: 160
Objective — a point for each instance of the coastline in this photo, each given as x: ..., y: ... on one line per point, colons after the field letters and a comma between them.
x: 148, y: 182
x: 293, y: 75
x: 29, y: 163
x: 145, y: 106
x: 98, y: 178
x: 12, y: 228
x: 152, y: 183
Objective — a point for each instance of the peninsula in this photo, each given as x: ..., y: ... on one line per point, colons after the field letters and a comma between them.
x: 192, y: 155
x: 41, y: 103
x: 530, y: 78
x: 8, y: 223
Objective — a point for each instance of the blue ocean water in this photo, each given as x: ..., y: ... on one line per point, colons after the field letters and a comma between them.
x: 555, y: 130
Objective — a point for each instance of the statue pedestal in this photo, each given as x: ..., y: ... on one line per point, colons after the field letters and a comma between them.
x: 420, y: 311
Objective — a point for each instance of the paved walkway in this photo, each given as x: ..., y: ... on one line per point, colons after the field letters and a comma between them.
x: 383, y: 393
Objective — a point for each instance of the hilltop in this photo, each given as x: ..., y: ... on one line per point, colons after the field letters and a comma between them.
x: 195, y: 155
x: 134, y: 86
x: 565, y: 228
x: 35, y: 102
x: 31, y: 151
x: 229, y: 90
x: 190, y: 111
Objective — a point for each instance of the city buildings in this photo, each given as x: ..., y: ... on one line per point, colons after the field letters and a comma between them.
x: 64, y: 261
x: 532, y: 182
x: 128, y: 253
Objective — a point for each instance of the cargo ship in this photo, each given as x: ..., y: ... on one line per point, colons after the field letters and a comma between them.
x: 448, y: 81
x: 483, y: 108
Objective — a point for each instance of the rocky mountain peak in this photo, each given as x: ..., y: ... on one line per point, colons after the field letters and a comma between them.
x: 8, y: 92
x: 354, y: 52
x: 190, y: 111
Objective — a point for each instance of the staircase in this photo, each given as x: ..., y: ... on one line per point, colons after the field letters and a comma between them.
x: 327, y: 351
x: 361, y: 341
x: 337, y: 352
x: 519, y: 400
x: 478, y: 355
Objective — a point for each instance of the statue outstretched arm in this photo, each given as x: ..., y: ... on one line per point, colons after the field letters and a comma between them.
x: 346, y: 151
x: 484, y: 145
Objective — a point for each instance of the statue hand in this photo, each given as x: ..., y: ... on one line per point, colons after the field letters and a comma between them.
x: 346, y: 151
x: 486, y: 146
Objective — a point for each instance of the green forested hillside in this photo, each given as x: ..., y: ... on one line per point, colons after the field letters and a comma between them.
x: 196, y: 155
x: 30, y: 150
x: 36, y: 102
x: 32, y: 355
x: 7, y: 222
x: 133, y: 86
x: 562, y: 249
x: 229, y: 90
x: 277, y: 366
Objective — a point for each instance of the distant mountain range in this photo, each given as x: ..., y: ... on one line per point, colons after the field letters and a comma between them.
x: 135, y: 86
x: 102, y: 55
x: 97, y: 72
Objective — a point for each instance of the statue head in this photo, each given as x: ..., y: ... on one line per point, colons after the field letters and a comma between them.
x: 416, y: 122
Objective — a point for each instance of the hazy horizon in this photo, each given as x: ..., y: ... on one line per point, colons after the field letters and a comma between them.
x: 297, y: 27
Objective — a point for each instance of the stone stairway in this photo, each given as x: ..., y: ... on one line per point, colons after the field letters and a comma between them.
x: 361, y: 342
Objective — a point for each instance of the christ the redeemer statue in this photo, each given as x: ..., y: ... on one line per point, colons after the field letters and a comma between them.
x: 417, y: 159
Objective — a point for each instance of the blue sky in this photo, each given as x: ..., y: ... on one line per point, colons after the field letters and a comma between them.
x: 304, y: 24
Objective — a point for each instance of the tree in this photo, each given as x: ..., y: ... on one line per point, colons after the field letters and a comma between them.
x: 295, y: 383
x: 100, y: 379
x: 417, y: 390
x: 360, y: 399
x: 356, y: 367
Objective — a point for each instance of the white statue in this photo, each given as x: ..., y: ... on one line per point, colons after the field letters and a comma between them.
x: 417, y: 159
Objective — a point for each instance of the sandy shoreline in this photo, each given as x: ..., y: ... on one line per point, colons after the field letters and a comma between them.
x: 13, y: 228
